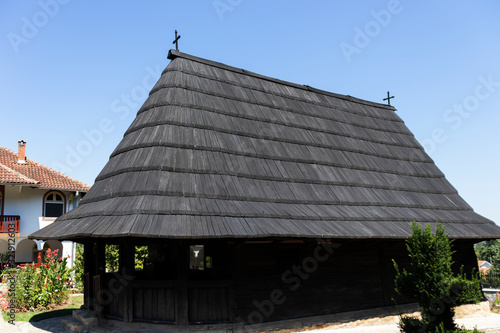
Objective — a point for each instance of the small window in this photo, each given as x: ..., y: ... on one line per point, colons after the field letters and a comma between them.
x: 112, y: 257
x: 53, y: 205
x: 197, y: 257
x: 141, y: 257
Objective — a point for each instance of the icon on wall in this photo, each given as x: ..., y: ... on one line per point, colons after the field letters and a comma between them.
x: 197, y: 257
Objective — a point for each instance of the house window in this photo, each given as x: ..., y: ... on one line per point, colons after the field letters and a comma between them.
x: 53, y: 204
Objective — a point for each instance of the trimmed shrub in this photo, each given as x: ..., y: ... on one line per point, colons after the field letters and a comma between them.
x: 431, y: 282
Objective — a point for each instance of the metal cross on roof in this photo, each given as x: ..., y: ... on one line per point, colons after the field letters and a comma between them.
x: 388, y: 99
x: 176, y: 41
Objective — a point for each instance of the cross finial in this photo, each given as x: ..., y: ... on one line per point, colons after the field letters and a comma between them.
x: 388, y: 99
x: 176, y: 41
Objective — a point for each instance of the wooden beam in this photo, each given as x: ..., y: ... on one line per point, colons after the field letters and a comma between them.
x: 88, y: 273
x: 182, y: 314
x: 127, y: 266
x: 98, y: 279
x: 259, y: 242
x: 293, y: 241
x: 385, y: 275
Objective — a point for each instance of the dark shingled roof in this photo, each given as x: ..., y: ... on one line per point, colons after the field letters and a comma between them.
x: 217, y: 151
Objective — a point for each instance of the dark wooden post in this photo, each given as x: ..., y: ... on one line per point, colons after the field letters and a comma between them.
x: 98, y: 277
x: 386, y: 278
x: 89, y: 272
x: 127, y: 263
x: 181, y: 253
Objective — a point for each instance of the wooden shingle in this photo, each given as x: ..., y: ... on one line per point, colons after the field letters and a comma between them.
x: 217, y: 152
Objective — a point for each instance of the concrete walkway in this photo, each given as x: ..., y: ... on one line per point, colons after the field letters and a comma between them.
x: 49, y: 325
x: 482, y: 319
x: 488, y: 324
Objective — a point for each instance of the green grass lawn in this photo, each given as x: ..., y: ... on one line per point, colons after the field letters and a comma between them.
x: 76, y: 302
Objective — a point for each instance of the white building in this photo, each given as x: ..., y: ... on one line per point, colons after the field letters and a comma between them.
x: 32, y: 196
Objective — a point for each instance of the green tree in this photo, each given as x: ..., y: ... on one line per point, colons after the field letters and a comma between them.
x: 78, y: 267
x: 431, y: 281
x: 489, y: 251
x: 112, y: 257
x: 141, y: 256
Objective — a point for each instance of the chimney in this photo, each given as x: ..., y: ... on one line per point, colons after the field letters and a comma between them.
x: 21, y: 154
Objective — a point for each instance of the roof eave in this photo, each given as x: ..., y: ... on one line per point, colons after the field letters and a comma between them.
x: 87, y: 237
x: 20, y: 184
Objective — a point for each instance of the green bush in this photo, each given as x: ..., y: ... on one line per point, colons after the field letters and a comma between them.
x: 5, y: 260
x: 410, y: 324
x: 468, y: 291
x: 432, y: 283
x: 78, y: 267
x: 496, y: 300
x: 39, y: 288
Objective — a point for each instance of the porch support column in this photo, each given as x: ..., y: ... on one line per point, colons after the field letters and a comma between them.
x: 127, y: 269
x: 386, y: 278
x: 89, y: 272
x: 181, y: 254
x: 98, y: 250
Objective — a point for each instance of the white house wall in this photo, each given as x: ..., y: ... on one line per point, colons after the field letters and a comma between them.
x: 27, y: 202
x: 69, y: 249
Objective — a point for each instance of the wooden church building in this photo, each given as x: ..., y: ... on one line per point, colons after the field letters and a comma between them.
x: 258, y: 200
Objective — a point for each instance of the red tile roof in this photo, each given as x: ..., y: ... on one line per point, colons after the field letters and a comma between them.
x: 483, y: 270
x: 34, y: 174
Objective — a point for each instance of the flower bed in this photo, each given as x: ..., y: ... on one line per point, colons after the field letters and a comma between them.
x: 37, y: 288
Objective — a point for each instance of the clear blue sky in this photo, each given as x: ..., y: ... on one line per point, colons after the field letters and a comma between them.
x: 80, y: 69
